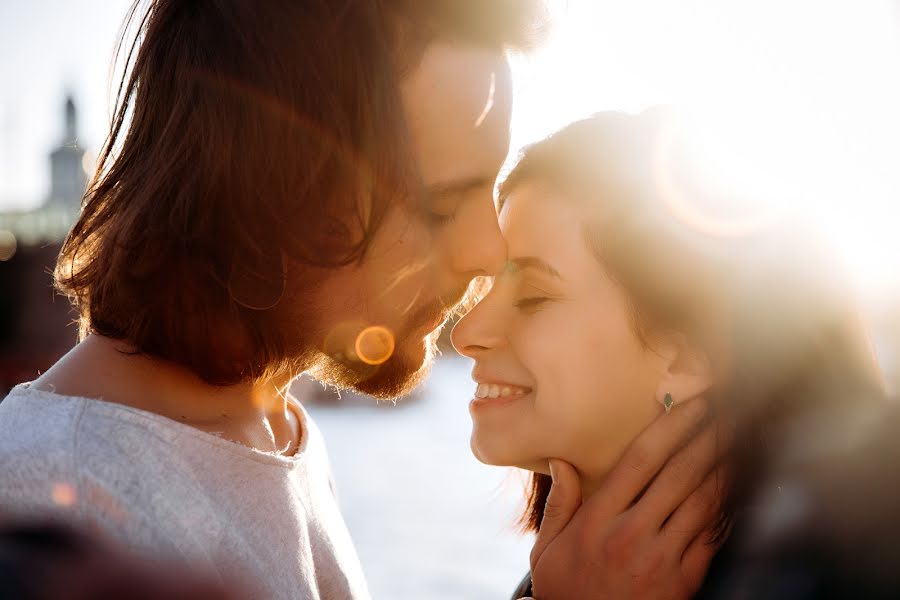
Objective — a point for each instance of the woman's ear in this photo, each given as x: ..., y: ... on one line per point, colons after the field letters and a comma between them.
x: 687, y: 370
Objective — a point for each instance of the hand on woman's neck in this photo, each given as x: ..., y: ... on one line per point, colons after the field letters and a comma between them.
x: 590, y: 484
x: 252, y: 414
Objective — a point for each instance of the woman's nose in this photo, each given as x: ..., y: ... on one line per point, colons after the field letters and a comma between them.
x: 479, y: 330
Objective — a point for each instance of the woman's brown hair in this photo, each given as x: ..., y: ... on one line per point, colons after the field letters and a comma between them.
x: 254, y: 146
x: 765, y: 303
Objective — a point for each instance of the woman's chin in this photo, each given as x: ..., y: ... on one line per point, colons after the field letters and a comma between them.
x: 479, y: 452
x: 490, y: 454
x: 498, y: 455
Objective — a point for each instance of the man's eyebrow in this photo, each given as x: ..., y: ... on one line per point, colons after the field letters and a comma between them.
x: 532, y: 262
x: 459, y: 186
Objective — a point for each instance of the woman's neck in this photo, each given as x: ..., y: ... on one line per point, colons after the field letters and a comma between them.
x: 589, y: 484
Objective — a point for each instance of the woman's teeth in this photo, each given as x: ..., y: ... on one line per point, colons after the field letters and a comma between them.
x: 490, y: 390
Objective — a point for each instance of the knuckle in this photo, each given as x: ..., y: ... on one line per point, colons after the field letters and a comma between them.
x: 553, y: 508
x: 704, y: 499
x: 680, y: 467
x: 640, y: 458
x: 690, y: 463
x: 713, y: 491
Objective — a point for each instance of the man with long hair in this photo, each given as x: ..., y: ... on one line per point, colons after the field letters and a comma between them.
x: 288, y: 186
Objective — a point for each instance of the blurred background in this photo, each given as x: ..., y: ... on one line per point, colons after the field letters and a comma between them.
x: 800, y: 100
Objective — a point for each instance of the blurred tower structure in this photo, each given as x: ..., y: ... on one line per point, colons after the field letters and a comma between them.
x: 68, y: 179
x: 35, y: 324
x: 50, y: 222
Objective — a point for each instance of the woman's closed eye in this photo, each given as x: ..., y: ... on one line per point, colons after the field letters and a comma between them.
x: 531, y: 297
x: 531, y: 302
x: 441, y: 220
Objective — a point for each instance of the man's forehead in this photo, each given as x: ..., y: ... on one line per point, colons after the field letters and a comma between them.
x: 458, y: 103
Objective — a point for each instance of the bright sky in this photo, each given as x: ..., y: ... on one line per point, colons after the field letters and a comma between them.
x: 816, y: 81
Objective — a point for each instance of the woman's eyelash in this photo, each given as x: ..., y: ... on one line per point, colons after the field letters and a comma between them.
x: 439, y: 220
x: 532, y: 302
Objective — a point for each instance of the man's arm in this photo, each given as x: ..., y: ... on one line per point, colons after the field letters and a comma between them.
x: 646, y: 533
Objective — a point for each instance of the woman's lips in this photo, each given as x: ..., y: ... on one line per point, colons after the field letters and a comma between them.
x: 500, y: 390
x: 497, y: 394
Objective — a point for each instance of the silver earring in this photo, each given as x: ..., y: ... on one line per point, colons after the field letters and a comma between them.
x: 668, y: 402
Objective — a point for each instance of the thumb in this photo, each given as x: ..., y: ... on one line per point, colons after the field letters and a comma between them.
x: 562, y: 502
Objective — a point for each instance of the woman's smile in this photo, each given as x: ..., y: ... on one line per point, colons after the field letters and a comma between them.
x: 497, y: 394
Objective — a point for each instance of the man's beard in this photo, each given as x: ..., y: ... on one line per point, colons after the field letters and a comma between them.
x: 396, y: 377
x: 406, y: 368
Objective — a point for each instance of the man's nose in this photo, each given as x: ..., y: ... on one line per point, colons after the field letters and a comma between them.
x: 480, y: 248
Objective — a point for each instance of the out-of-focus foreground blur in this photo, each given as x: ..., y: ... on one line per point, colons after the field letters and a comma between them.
x: 801, y: 103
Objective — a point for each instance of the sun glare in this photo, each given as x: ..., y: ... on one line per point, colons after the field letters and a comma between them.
x: 795, y: 103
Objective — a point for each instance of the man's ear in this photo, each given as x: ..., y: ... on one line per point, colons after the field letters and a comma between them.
x: 687, y: 369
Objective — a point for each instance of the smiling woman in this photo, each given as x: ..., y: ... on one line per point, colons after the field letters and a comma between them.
x: 613, y: 310
x: 550, y: 318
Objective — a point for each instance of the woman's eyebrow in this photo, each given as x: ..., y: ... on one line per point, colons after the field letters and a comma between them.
x: 532, y: 262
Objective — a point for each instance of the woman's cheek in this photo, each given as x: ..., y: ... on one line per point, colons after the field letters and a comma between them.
x: 539, y: 345
x: 588, y: 383
x: 548, y: 350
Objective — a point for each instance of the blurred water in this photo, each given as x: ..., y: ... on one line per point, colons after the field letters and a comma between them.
x: 430, y: 522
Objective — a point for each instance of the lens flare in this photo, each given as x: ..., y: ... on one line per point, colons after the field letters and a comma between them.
x: 374, y: 345
x: 63, y: 494
x: 7, y: 245
x: 722, y: 206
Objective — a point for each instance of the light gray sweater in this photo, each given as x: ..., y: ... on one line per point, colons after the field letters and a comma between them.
x: 168, y: 490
